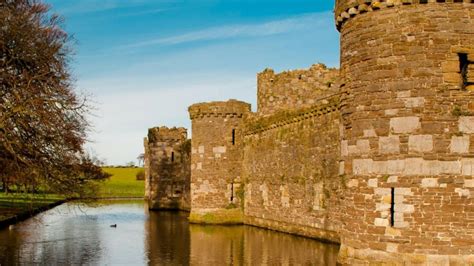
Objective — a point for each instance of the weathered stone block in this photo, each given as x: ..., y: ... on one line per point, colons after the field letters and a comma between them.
x: 381, y: 222
x: 469, y: 183
x: 372, y: 182
x: 466, y: 124
x: 414, y: 102
x: 429, y: 182
x: 404, y: 208
x: 219, y: 149
x: 201, y: 149
x: 363, y: 146
x: 420, y: 143
x: 467, y: 166
x: 402, y: 125
x: 459, y: 144
x: 390, y: 144
x: 463, y: 192
x: 369, y: 133
x: 362, y: 166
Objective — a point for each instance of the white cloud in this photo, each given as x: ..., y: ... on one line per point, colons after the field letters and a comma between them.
x: 238, y: 31
x: 88, y: 6
x: 123, y: 116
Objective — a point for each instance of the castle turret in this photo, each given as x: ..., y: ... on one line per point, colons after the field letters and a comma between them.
x: 216, y: 161
x: 408, y: 144
x: 167, y: 168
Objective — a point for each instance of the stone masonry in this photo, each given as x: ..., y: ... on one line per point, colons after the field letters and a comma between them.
x: 216, y: 161
x: 377, y: 156
x: 167, y: 168
x: 407, y: 99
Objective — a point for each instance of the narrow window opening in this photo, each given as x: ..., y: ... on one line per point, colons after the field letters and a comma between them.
x: 172, y: 156
x: 463, y: 66
x: 392, y: 208
x: 231, y: 192
x: 233, y: 136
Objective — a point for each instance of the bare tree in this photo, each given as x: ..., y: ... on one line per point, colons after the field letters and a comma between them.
x: 42, y: 120
x: 141, y: 159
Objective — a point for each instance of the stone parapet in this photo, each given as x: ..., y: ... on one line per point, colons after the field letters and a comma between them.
x: 231, y: 108
x: 347, y: 9
x: 256, y: 124
x: 296, y: 89
x: 157, y: 134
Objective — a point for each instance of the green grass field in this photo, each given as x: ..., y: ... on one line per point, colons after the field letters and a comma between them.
x: 14, y: 203
x: 122, y: 184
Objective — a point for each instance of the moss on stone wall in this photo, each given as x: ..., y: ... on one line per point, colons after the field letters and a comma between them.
x: 260, y: 123
x: 221, y: 216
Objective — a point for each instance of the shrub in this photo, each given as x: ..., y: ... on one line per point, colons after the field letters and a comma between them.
x: 140, y: 175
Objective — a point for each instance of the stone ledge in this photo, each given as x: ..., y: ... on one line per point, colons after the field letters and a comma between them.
x: 346, y: 11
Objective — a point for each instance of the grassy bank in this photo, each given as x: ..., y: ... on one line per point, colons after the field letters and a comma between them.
x: 18, y: 206
x: 122, y: 184
x: 14, y: 206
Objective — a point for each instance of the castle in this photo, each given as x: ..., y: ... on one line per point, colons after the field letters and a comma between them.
x: 377, y: 156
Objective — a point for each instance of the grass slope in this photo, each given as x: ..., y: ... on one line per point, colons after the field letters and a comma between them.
x: 13, y: 204
x: 122, y: 184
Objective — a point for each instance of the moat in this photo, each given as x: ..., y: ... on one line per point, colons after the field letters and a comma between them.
x: 74, y: 233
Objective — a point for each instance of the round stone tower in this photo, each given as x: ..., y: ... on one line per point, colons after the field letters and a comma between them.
x: 408, y: 125
x: 216, y: 159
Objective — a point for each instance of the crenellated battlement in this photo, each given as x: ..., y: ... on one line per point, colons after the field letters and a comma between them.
x: 294, y: 89
x: 257, y: 124
x: 347, y: 9
x: 230, y: 108
x: 162, y: 134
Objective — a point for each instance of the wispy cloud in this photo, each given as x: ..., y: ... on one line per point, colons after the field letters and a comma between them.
x: 237, y: 31
x: 90, y: 6
x: 145, y: 12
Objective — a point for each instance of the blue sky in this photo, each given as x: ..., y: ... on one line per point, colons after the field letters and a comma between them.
x: 146, y: 61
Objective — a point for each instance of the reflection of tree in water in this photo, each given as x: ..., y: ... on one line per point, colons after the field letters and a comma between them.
x: 167, y: 238
x: 72, y: 239
x: 9, y: 247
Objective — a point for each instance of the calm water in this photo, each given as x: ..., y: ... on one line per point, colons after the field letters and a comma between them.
x: 77, y: 234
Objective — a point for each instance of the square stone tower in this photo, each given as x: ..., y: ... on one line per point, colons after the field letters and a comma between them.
x: 167, y: 168
x: 216, y: 161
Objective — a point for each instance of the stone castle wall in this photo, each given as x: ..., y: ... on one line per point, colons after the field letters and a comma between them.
x: 216, y: 161
x: 294, y: 89
x: 291, y: 171
x: 408, y: 139
x: 167, y: 168
x: 378, y: 157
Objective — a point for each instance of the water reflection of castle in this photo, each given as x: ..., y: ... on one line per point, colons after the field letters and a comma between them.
x: 171, y: 240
